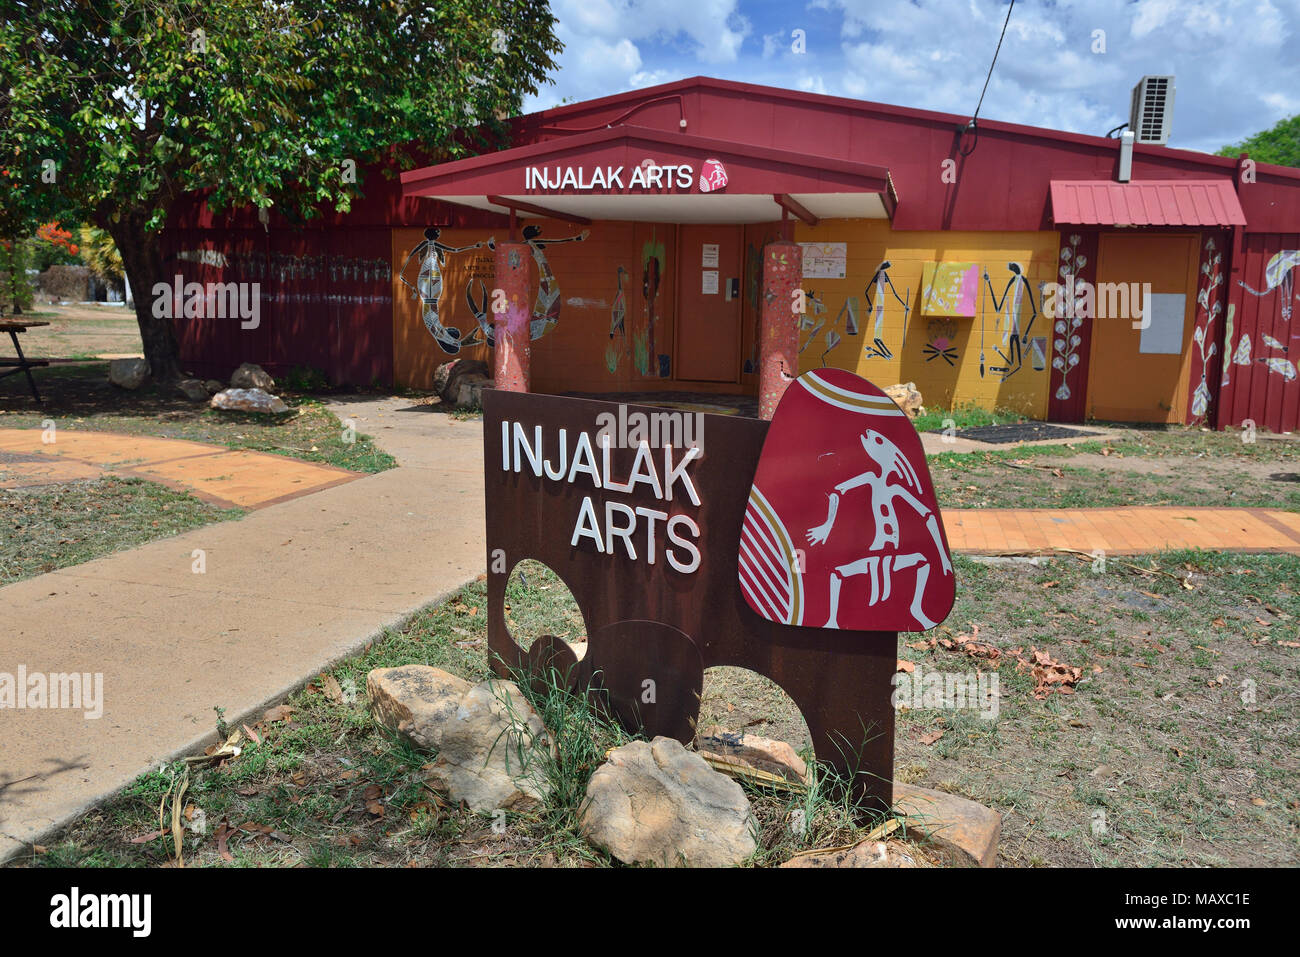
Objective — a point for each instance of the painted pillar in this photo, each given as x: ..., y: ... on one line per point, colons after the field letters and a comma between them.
x: 778, y: 330
x: 510, y: 316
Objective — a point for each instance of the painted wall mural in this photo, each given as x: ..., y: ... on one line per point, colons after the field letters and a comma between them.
x: 646, y: 357
x: 1279, y: 277
x: 1208, y: 306
x: 1009, y: 310
x: 616, y: 350
x: 431, y: 257
x: 876, y: 303
x: 940, y: 335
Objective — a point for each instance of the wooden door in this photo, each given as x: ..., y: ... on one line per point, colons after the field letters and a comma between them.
x: 709, y: 274
x: 1140, y: 374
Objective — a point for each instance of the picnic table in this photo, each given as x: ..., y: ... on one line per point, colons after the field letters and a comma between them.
x: 22, y: 363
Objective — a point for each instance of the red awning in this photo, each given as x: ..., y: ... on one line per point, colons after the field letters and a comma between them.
x: 1152, y: 202
x: 597, y: 175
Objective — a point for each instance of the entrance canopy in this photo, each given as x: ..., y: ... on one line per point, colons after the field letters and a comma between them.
x: 635, y: 173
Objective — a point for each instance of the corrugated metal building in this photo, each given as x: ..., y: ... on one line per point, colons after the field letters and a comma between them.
x: 1003, y: 266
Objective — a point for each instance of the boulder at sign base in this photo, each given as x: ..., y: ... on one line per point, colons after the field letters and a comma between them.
x: 964, y: 833
x: 494, y: 750
x: 415, y: 701
x: 654, y: 802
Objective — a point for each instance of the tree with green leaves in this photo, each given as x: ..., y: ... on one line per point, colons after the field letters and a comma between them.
x: 112, y: 109
x: 1280, y: 145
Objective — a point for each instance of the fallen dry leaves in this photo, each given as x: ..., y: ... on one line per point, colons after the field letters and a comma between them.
x: 1049, y: 675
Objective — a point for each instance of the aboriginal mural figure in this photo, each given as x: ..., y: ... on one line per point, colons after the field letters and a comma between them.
x: 1279, y: 275
x: 1008, y: 309
x: 432, y: 257
x: 546, y: 310
x: 753, y: 286
x: 831, y: 338
x: 617, y: 326
x: 644, y: 349
x: 876, y: 305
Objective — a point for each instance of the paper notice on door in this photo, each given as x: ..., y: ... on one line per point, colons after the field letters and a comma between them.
x: 1162, y: 323
x: 710, y: 255
x: 710, y: 282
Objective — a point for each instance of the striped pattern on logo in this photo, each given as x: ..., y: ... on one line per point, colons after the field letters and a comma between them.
x: 845, y: 399
x: 769, y: 569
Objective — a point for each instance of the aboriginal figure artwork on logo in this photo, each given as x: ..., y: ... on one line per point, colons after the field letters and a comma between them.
x: 842, y: 529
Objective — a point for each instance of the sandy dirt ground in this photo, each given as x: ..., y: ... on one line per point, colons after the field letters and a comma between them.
x: 81, y: 332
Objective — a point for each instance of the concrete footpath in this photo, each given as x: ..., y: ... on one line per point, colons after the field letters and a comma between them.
x: 287, y: 590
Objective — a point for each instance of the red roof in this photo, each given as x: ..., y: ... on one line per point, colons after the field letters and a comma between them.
x: 1166, y: 202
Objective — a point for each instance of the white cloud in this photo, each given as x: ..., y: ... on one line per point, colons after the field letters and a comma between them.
x: 1236, y: 61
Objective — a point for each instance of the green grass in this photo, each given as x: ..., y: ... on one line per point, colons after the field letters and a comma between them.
x: 52, y: 527
x: 964, y: 417
x: 78, y: 397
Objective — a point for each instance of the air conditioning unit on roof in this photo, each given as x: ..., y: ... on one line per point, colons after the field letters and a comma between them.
x: 1152, y: 114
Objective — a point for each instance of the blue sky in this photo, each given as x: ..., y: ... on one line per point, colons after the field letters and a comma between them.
x: 1237, y: 62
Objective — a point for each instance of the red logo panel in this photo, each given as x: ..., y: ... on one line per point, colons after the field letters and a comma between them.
x: 842, y: 529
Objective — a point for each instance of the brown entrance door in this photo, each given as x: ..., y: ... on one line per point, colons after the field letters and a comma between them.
x: 709, y: 272
x: 1140, y: 375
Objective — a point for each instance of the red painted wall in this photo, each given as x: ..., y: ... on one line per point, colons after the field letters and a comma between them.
x: 1251, y: 387
x: 1002, y: 184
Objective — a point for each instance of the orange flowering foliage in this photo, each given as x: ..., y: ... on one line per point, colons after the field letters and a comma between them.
x: 51, y: 233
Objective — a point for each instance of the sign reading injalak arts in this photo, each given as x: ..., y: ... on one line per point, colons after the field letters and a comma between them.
x: 640, y: 532
x: 797, y: 549
x: 647, y: 176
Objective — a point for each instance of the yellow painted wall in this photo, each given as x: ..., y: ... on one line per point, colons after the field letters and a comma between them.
x: 942, y: 386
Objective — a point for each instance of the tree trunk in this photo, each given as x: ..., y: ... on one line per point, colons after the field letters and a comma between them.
x: 142, y: 263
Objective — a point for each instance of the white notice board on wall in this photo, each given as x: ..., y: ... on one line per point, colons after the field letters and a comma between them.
x: 825, y: 260
x: 1163, y: 317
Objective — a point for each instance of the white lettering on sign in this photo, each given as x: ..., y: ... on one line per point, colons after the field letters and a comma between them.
x: 619, y: 528
x: 581, y: 178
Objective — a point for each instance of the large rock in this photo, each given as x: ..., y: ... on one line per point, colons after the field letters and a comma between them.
x: 907, y: 397
x: 415, y: 701
x: 193, y: 389
x: 657, y: 803
x: 128, y: 373
x: 252, y: 376
x: 494, y: 751
x: 886, y: 854
x: 446, y: 378
x: 248, y: 400
x: 749, y: 751
x: 964, y: 833
x: 469, y: 389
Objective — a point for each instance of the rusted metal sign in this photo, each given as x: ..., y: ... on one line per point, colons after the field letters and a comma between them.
x: 796, y: 549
